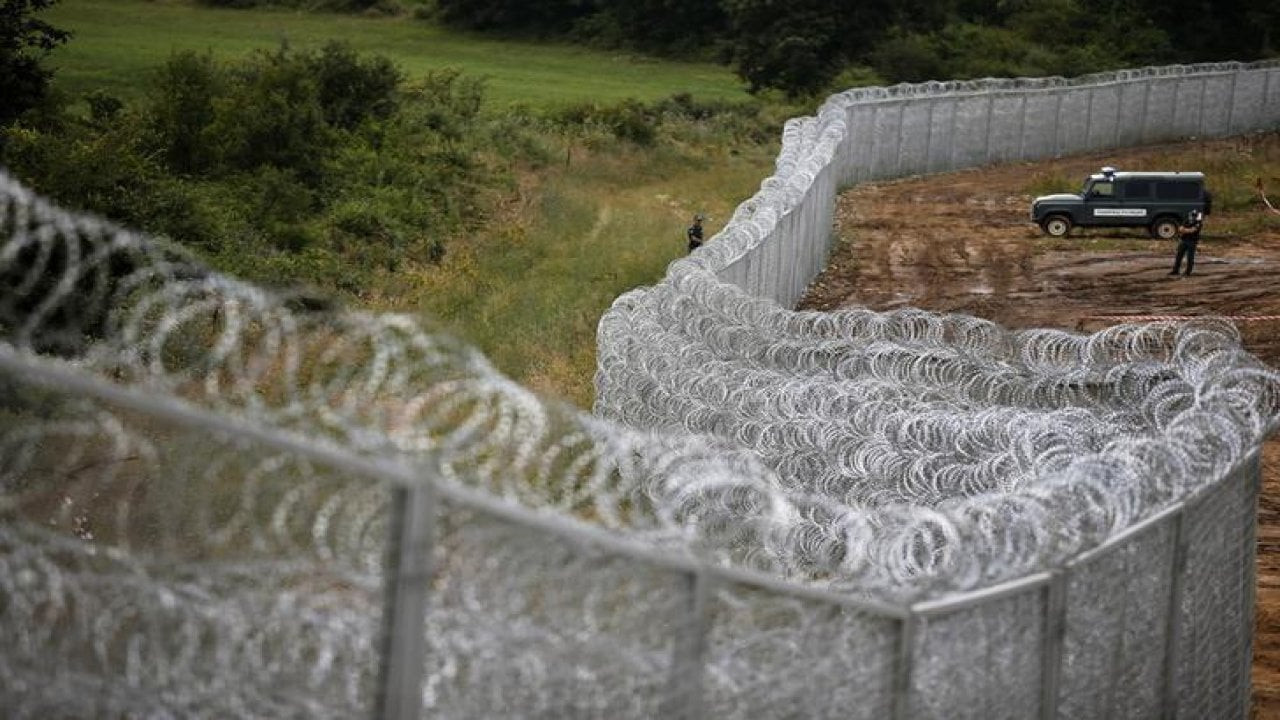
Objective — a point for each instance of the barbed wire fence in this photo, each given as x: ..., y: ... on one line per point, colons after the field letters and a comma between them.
x: 215, y: 503
x: 919, y: 420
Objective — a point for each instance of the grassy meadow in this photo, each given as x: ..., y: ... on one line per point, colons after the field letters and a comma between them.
x: 531, y: 288
x: 561, y: 238
x: 116, y: 41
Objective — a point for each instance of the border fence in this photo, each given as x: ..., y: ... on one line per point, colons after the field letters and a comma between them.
x: 216, y: 503
x: 778, y: 240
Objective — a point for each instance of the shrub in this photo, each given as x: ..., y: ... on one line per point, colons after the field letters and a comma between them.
x: 181, y: 110
x: 270, y: 114
x: 628, y: 120
x: 351, y: 89
x: 103, y: 108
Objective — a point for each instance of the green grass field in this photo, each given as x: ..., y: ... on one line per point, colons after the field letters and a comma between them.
x: 530, y: 291
x: 528, y: 287
x: 116, y: 42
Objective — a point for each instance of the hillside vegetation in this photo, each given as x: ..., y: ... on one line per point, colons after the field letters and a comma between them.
x: 118, y: 43
x: 391, y: 182
x: 803, y: 46
x: 474, y: 169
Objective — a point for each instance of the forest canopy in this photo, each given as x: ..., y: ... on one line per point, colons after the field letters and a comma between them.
x: 803, y: 47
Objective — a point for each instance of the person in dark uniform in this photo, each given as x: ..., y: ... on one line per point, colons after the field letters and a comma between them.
x: 694, y: 233
x: 1189, y: 237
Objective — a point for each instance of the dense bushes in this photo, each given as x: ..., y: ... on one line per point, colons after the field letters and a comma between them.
x: 716, y: 122
x: 327, y: 167
x: 320, y: 166
x: 802, y: 46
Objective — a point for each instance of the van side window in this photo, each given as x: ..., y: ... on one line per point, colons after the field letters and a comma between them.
x: 1173, y: 190
x: 1137, y: 189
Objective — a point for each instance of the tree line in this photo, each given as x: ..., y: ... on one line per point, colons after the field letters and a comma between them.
x: 803, y: 47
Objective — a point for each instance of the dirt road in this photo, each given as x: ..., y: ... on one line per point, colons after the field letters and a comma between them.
x: 963, y: 243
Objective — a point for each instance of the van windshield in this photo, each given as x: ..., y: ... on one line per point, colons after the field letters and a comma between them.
x: 1099, y: 188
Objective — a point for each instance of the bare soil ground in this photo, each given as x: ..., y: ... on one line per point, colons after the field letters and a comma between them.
x: 963, y: 242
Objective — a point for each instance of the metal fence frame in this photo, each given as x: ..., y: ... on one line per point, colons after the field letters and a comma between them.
x: 778, y: 241
x: 418, y: 493
x: 857, y: 136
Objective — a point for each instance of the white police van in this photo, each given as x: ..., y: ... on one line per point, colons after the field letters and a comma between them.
x: 1158, y: 201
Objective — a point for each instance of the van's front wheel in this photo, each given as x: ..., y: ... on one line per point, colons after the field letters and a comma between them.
x: 1056, y: 225
x: 1164, y: 228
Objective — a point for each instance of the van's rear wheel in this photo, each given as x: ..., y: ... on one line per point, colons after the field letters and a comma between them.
x: 1056, y: 225
x: 1164, y: 228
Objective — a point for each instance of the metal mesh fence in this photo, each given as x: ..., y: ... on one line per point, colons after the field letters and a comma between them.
x: 951, y: 426
x: 214, y: 501
x: 148, y: 571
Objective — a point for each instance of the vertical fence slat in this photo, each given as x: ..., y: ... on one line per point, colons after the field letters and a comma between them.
x: 408, y: 583
x: 1250, y: 580
x: 1057, y: 115
x: 1173, y: 632
x: 873, y: 150
x: 1266, y: 97
x: 986, y: 135
x: 1231, y: 104
x: 928, y: 135
x: 1119, y: 120
x: 1055, y: 630
x: 684, y: 699
x: 951, y: 136
x: 1087, y: 141
x: 903, y: 667
x: 1204, y: 88
x: 902, y: 116
x: 1146, y: 104
x: 1022, y: 128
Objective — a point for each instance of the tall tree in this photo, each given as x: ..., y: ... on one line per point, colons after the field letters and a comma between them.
x: 799, y: 46
x: 24, y: 41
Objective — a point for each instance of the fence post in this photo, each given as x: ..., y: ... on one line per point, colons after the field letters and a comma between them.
x: 684, y: 699
x: 902, y: 118
x: 1088, y: 122
x: 1266, y: 97
x: 903, y: 667
x: 408, y: 582
x: 928, y: 137
x: 1120, y: 95
x: 986, y: 135
x: 1173, y: 626
x: 951, y: 140
x: 1147, y: 82
x: 1204, y: 86
x: 1231, y: 106
x: 873, y: 155
x: 1055, y: 630
x: 1022, y: 126
x: 1057, y: 114
x: 1250, y: 579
